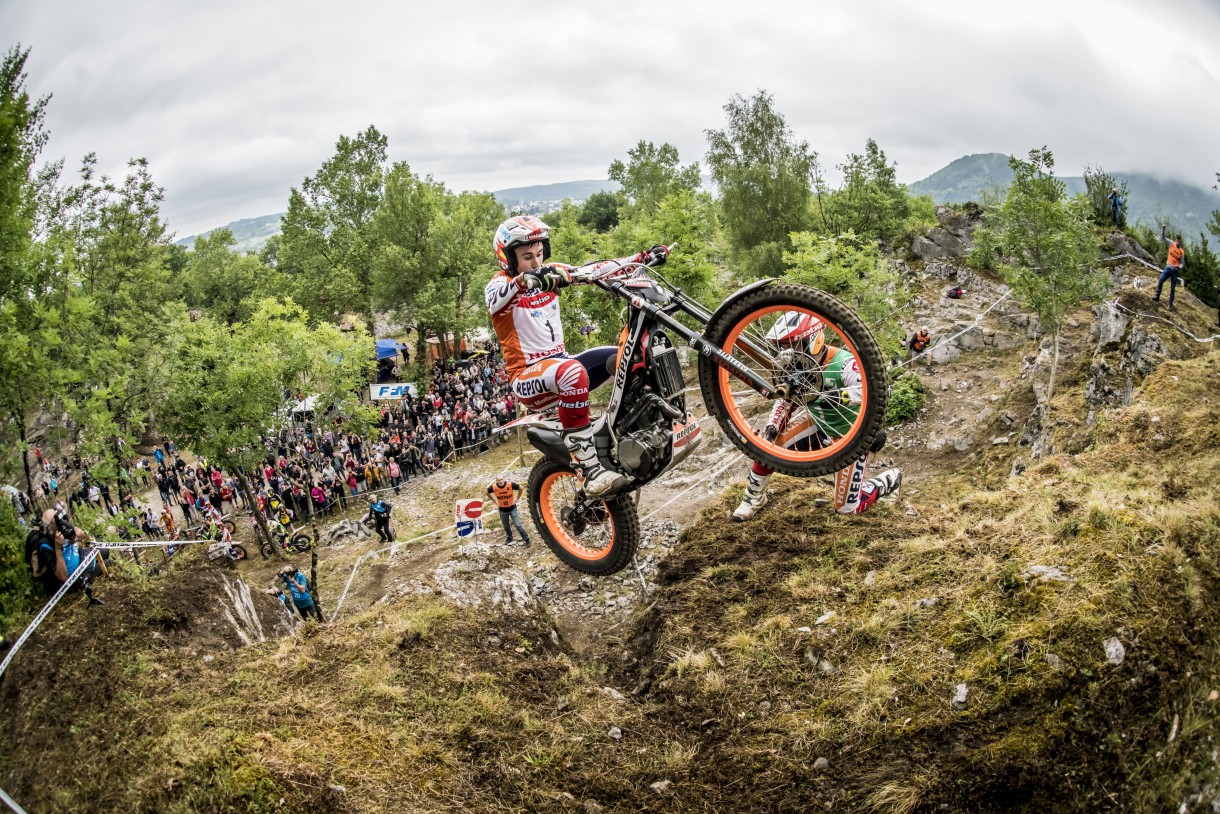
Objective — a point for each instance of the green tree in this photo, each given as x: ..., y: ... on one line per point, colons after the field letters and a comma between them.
x: 219, y: 280
x: 39, y: 313
x: 114, y: 250
x: 853, y: 269
x: 433, y: 255
x: 870, y: 201
x: 651, y: 173
x: 1047, y: 247
x: 1098, y: 185
x: 601, y: 210
x: 764, y: 175
x: 325, y: 252
x: 227, y: 383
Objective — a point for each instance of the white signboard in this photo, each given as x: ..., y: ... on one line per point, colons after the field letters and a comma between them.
x: 392, y: 392
x: 468, y: 517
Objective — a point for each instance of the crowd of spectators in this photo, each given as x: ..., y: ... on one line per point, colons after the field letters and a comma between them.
x: 312, y: 469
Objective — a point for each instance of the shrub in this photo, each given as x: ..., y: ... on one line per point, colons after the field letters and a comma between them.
x: 907, y: 398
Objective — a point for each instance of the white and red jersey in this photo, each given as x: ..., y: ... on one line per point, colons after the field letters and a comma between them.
x: 526, y: 322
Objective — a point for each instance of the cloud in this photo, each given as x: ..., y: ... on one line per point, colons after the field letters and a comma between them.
x: 234, y: 103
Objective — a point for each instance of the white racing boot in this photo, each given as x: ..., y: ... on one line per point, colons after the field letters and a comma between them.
x: 755, y: 497
x: 598, y: 479
x: 878, y: 487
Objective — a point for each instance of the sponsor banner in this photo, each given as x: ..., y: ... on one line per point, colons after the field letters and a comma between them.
x: 468, y: 517
x: 392, y: 392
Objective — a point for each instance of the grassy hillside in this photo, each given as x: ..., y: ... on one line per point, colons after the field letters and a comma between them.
x: 969, y: 177
x: 809, y: 661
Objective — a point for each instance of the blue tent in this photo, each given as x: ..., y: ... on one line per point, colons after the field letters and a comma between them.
x: 388, y: 348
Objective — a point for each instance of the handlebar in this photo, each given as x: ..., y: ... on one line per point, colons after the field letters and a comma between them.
x: 593, y: 274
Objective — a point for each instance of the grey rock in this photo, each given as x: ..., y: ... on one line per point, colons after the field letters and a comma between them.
x: 959, y: 695
x: 662, y: 786
x: 1053, y: 661
x: 825, y: 617
x: 927, y: 602
x: 870, y: 579
x: 821, y: 764
x: 592, y: 807
x: 999, y: 440
x: 1115, y: 652
x: 1044, y: 573
x: 613, y: 695
x: 614, y: 733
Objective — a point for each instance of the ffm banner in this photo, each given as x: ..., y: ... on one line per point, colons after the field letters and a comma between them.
x: 392, y: 392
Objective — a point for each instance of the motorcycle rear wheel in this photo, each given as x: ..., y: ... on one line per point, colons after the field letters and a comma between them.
x: 301, y: 541
x: 743, y: 413
x: 594, y: 537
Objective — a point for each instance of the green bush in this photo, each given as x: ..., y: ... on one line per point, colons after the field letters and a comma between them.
x: 907, y: 398
x: 18, y: 593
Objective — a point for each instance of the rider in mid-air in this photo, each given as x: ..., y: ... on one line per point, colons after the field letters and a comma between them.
x: 524, y: 309
x: 802, y: 343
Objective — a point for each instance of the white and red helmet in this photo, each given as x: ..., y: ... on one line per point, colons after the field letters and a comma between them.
x: 795, y: 329
x: 520, y: 231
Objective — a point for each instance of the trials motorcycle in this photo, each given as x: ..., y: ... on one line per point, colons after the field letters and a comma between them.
x: 746, y: 377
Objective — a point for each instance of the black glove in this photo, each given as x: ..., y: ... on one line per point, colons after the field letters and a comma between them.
x: 878, y: 443
x: 547, y: 278
x: 657, y: 255
x: 831, y: 399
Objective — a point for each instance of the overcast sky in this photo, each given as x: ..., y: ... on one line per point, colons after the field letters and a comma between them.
x: 233, y: 103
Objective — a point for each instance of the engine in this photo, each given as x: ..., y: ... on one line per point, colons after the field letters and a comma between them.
x: 643, y: 452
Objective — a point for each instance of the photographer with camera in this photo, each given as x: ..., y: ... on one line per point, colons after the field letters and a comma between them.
x: 54, y: 550
x: 298, y: 587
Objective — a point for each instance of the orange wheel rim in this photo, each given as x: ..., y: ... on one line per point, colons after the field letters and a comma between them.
x: 725, y: 382
x: 551, y: 519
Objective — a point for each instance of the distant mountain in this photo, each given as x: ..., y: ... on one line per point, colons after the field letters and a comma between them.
x: 250, y: 233
x: 1187, y: 207
x: 578, y: 191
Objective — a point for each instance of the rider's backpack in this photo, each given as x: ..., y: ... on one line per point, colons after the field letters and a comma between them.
x: 32, y: 541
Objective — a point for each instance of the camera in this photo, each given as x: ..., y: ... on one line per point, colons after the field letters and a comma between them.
x: 65, y: 527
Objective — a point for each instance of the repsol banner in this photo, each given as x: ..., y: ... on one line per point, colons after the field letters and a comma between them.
x: 469, y: 517
x: 392, y: 392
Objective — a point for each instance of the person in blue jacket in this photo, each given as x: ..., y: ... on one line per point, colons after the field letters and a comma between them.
x: 298, y: 587
x: 1116, y: 208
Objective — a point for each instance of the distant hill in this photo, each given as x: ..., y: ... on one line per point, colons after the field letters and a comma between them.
x: 250, y: 233
x: 1187, y: 207
x: 553, y: 193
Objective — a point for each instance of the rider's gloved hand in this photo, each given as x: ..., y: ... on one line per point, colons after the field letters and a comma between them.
x: 832, y: 399
x: 547, y: 278
x: 656, y: 256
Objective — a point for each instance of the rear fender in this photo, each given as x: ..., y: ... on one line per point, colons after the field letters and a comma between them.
x: 732, y: 298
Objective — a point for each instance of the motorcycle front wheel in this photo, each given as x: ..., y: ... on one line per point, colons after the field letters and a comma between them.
x: 826, y: 423
x: 596, y: 537
x: 239, y: 550
x: 301, y: 541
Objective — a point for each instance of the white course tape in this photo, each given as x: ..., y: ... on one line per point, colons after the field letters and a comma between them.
x: 85, y: 562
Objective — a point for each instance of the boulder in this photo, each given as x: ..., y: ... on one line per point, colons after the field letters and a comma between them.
x: 1118, y: 244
